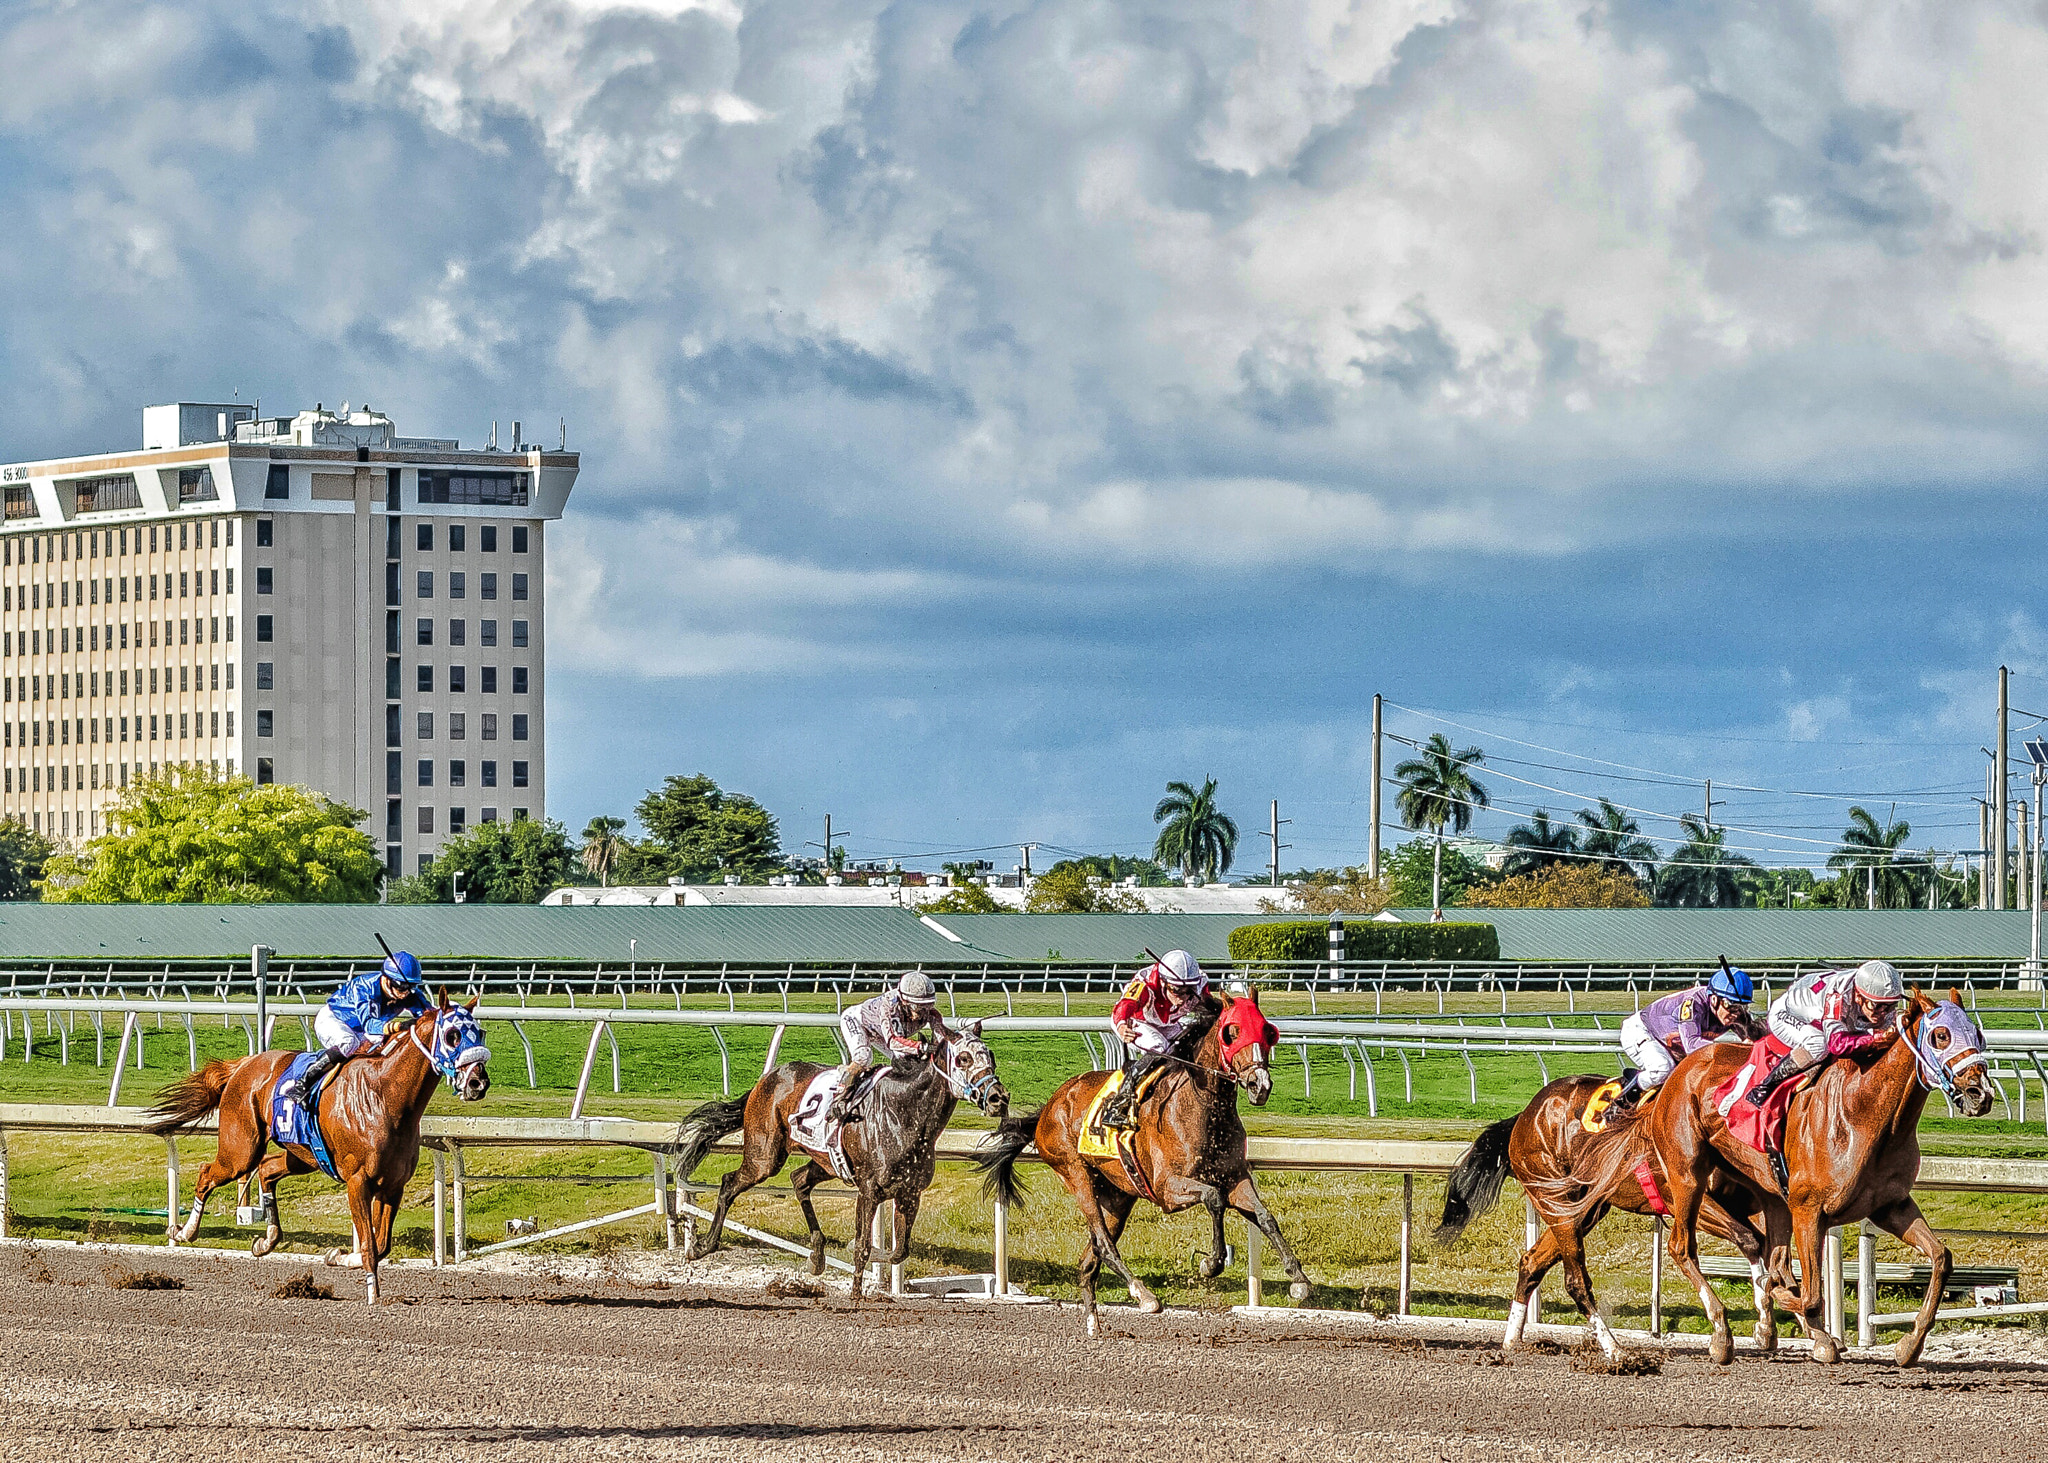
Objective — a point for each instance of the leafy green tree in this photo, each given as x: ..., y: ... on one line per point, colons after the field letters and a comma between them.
x: 963, y: 898
x: 1422, y: 869
x: 1875, y: 874
x: 1702, y: 873
x: 1064, y: 889
x: 1613, y: 838
x: 1197, y: 839
x: 23, y: 853
x: 1539, y: 843
x: 192, y: 836
x: 602, y: 846
x: 699, y: 832
x: 519, y: 862
x: 1439, y: 791
x: 1784, y: 889
x: 1114, y: 868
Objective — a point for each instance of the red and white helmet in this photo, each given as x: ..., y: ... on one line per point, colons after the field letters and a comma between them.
x: 1177, y: 967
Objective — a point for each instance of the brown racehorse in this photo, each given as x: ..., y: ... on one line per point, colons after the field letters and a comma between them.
x: 369, y: 1113
x: 1573, y: 1178
x: 1852, y: 1145
x: 891, y: 1150
x: 1189, y: 1147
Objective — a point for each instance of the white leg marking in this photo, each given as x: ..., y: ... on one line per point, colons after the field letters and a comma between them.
x: 1604, y: 1334
x: 1093, y: 1327
x: 1518, y: 1318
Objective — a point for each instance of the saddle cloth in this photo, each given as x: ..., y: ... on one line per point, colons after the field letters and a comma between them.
x: 812, y: 1130
x: 1600, y: 1106
x: 1761, y: 1128
x: 298, y: 1124
x: 1100, y: 1141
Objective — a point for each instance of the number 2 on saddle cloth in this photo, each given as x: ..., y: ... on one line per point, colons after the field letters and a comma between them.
x: 1097, y: 1140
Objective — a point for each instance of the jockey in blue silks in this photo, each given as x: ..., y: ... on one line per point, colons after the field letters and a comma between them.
x: 369, y: 1006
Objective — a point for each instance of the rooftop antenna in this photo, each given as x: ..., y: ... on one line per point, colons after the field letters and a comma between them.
x: 494, y: 434
x: 565, y: 434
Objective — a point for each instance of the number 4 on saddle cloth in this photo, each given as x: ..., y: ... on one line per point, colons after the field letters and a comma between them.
x: 1098, y: 1140
x: 298, y: 1123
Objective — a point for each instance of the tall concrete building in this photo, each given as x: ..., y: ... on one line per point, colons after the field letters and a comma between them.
x: 310, y: 599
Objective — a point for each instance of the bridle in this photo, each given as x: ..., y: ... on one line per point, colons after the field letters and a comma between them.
x: 1943, y: 1069
x: 977, y: 1083
x: 465, y: 1056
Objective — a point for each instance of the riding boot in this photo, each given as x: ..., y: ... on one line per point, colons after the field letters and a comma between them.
x: 1779, y: 1171
x: 295, y: 1089
x: 1789, y: 1066
x: 841, y: 1110
x: 1631, y: 1088
x: 1117, y: 1112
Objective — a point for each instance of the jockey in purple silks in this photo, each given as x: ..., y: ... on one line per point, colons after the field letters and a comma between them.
x: 1677, y: 1025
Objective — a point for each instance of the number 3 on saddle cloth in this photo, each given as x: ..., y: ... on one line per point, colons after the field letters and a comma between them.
x: 1761, y: 1128
x: 1097, y: 1140
x: 812, y: 1130
x: 298, y: 1123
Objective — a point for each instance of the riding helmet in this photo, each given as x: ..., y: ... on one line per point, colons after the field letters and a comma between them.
x: 1177, y: 967
x: 403, y: 971
x: 1878, y: 980
x: 1732, y: 985
x: 917, y: 988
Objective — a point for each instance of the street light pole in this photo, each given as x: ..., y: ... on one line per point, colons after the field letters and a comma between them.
x: 2037, y: 753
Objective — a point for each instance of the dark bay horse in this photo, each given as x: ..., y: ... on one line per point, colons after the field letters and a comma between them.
x: 1573, y: 1178
x: 1851, y: 1143
x: 890, y: 1152
x: 1189, y: 1148
x: 369, y: 1113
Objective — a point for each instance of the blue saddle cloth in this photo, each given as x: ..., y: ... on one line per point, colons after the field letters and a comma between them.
x: 297, y: 1123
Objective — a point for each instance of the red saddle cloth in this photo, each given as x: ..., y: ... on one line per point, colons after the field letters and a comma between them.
x: 1761, y: 1128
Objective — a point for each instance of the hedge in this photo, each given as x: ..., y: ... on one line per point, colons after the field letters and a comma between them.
x: 1302, y: 940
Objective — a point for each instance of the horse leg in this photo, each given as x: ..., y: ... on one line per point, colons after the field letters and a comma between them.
x: 1809, y: 1301
x: 1104, y: 1208
x: 761, y: 1163
x: 1687, y: 1192
x: 906, y: 1215
x: 359, y: 1211
x: 1904, y: 1220
x: 863, y: 1231
x: 1724, y: 1222
x: 1535, y: 1264
x: 216, y: 1172
x: 268, y: 1172
x: 1578, y: 1281
x: 1211, y: 1264
x: 1246, y: 1200
x: 807, y: 1178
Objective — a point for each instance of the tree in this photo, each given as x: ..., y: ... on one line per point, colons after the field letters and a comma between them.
x: 1539, y: 843
x: 1702, y: 873
x: 23, y: 853
x: 1333, y: 891
x: 698, y: 832
x: 1114, y: 868
x: 1421, y: 865
x: 1563, y: 886
x: 1874, y: 874
x: 602, y: 846
x: 192, y: 836
x: 1197, y: 838
x: 963, y: 898
x: 519, y: 862
x: 1067, y: 890
x: 1438, y: 791
x: 1613, y: 838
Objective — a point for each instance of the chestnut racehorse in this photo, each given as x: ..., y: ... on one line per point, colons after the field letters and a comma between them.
x: 1189, y: 1147
x: 1573, y: 1178
x: 891, y: 1150
x: 369, y: 1113
x: 1852, y: 1146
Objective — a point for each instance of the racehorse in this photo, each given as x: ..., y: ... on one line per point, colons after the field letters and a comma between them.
x: 1573, y: 1177
x: 1852, y: 1146
x: 368, y: 1111
x: 1189, y: 1147
x: 889, y: 1153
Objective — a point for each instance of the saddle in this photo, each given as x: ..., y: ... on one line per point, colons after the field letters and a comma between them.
x: 1098, y: 1139
x: 1762, y: 1129
x: 811, y: 1127
x: 1600, y: 1110
x: 298, y: 1123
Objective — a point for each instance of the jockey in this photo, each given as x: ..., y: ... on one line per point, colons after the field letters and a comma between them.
x: 1830, y: 1015
x: 894, y: 1021
x: 368, y: 1006
x: 1680, y: 1024
x: 1149, y: 1019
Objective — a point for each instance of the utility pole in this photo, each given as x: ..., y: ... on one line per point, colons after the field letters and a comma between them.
x: 1984, y: 850
x: 2002, y: 780
x: 1277, y: 844
x: 827, y: 844
x: 1711, y: 805
x: 1372, y: 844
x: 1025, y: 850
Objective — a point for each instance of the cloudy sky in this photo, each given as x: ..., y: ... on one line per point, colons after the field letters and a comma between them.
x: 990, y: 411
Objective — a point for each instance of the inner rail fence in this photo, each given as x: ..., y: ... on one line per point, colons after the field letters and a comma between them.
x: 449, y: 1140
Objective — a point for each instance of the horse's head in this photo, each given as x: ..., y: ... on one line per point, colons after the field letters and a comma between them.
x: 1949, y: 1049
x: 1247, y: 1039
x: 970, y: 1070
x: 457, y: 1049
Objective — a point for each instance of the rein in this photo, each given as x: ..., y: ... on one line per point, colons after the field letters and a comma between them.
x: 1944, y: 1072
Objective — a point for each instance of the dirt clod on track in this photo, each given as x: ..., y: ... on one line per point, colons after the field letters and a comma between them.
x: 303, y: 1287
x: 573, y: 1365
x: 144, y: 1280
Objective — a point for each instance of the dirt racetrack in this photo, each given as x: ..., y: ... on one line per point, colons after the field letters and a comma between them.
x: 511, y: 1367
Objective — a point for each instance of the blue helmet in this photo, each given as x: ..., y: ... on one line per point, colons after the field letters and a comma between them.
x: 1730, y: 985
x: 403, y: 971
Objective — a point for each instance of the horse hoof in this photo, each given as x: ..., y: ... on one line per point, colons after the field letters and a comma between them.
x: 262, y: 1245
x: 331, y: 1257
x: 1766, y: 1338
x: 1824, y: 1349
x: 1298, y: 1292
x: 1721, y: 1350
x: 1907, y: 1352
x: 1147, y: 1302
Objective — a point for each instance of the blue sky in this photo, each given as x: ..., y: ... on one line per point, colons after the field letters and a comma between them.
x: 990, y: 412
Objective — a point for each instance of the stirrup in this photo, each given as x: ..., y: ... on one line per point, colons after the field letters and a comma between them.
x: 1780, y: 1171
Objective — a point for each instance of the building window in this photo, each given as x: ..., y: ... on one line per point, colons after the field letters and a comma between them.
x: 488, y: 815
x: 262, y: 627
x: 263, y: 580
x: 195, y: 485
x: 263, y: 675
x: 519, y: 680
x: 392, y: 677
x: 426, y: 728
x: 487, y: 632
x: 263, y: 529
x: 458, y: 772
x: 490, y: 680
x: 493, y: 489
x: 488, y: 772
x: 519, y: 538
x: 278, y: 485
x: 455, y: 821
x: 426, y: 820
x: 426, y: 584
x: 391, y: 726
x: 519, y: 774
x: 519, y: 586
x: 426, y: 629
x: 489, y: 729
x: 487, y: 586
x: 519, y: 726
x: 487, y: 536
x: 21, y: 501
x: 423, y: 538
x: 457, y: 675
x: 457, y: 726
x: 455, y: 538
x: 426, y: 678
x: 263, y: 723
x: 264, y: 772
x: 519, y: 634
x: 455, y: 585
x: 426, y: 772
x: 457, y: 629
x: 426, y: 862
x: 105, y: 495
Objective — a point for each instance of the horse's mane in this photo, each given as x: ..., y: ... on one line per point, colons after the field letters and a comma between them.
x: 1206, y: 1017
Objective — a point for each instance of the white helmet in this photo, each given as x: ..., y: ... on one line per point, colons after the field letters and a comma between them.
x: 917, y: 988
x: 1878, y: 981
x: 1177, y: 967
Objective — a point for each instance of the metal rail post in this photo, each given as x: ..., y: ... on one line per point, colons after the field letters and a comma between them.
x: 1530, y: 1229
x: 1407, y: 1242
x: 1001, y: 1262
x: 121, y: 1060
x: 661, y: 1198
x: 461, y: 1204
x: 259, y: 973
x: 1831, y: 1270
x: 170, y: 1189
x: 589, y: 1061
x: 1656, y: 1275
x: 440, y: 1208
x: 1866, y: 1283
x: 1254, y: 1268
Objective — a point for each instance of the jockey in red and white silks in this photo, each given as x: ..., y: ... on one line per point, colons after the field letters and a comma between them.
x: 1152, y: 1015
x: 1830, y: 1015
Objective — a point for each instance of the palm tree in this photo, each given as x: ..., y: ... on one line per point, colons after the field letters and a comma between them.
x: 1702, y: 873
x: 1197, y: 836
x: 602, y: 846
x: 1539, y: 843
x: 1613, y: 838
x: 1437, y: 789
x: 1869, y: 855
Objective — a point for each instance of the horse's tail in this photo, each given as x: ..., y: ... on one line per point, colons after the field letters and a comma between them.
x: 997, y: 1155
x: 704, y: 1126
x: 1476, y: 1181
x: 1598, y: 1171
x: 191, y: 1098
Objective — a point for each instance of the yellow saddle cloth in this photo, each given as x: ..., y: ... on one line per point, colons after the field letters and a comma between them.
x: 1101, y: 1141
x: 1599, y: 1106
